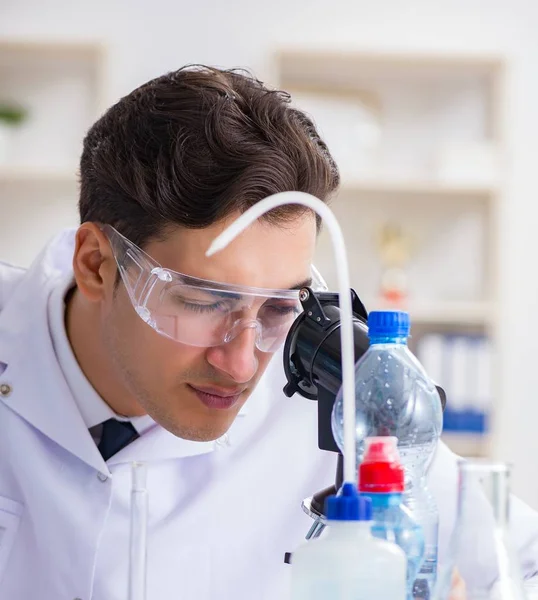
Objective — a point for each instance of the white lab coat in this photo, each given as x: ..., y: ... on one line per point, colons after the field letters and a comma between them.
x: 222, y: 514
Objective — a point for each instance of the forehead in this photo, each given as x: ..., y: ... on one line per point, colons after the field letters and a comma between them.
x: 265, y: 255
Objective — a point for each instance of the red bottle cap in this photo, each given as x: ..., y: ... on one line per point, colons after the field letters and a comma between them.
x: 381, y: 471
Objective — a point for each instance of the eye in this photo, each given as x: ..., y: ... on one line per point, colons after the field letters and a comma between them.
x: 203, y: 308
x: 282, y: 310
x: 198, y: 300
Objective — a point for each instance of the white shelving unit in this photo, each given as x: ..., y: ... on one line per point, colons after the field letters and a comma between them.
x: 419, y: 142
x: 61, y: 87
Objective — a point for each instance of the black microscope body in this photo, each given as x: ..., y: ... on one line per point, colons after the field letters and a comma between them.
x: 313, y: 365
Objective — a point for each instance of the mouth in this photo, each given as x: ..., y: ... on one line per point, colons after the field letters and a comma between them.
x: 218, y: 398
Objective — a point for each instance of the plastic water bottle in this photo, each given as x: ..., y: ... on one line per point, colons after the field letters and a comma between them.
x: 381, y: 478
x: 348, y: 562
x: 395, y: 397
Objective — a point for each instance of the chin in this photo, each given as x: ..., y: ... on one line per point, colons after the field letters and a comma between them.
x: 202, y: 432
x: 200, y: 436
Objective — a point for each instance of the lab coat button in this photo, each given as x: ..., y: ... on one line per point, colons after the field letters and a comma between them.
x: 5, y: 390
x: 102, y: 477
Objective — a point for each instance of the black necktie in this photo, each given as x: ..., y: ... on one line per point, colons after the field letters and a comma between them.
x: 116, y: 435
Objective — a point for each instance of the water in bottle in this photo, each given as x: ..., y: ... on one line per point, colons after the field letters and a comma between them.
x: 381, y: 478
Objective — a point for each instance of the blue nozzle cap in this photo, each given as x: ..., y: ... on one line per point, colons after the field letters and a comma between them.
x: 348, y: 506
x: 388, y: 323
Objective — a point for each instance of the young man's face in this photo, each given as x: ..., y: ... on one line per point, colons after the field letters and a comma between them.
x: 177, y: 384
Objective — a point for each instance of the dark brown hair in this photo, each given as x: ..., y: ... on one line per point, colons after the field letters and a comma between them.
x: 194, y: 146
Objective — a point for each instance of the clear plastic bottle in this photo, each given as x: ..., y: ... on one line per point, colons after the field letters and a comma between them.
x: 348, y: 562
x: 381, y: 479
x: 395, y: 397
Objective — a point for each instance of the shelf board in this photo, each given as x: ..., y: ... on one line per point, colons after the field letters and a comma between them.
x: 416, y: 188
x: 398, y: 59
x: 37, y: 175
x: 24, y: 49
x: 447, y: 313
x: 346, y: 66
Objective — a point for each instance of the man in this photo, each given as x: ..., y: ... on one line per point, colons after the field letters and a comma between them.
x: 123, y: 342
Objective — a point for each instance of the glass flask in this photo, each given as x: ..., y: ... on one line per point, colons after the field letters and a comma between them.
x: 481, y: 564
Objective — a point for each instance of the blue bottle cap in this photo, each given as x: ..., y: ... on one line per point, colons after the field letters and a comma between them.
x: 348, y: 506
x: 388, y: 323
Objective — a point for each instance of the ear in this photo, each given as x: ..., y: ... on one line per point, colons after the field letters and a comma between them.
x: 93, y: 263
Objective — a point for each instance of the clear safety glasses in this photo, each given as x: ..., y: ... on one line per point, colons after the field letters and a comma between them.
x: 199, y: 312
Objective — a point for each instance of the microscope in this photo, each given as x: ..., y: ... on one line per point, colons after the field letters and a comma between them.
x: 313, y: 367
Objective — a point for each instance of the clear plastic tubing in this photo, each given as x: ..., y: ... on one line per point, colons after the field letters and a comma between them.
x: 344, y: 292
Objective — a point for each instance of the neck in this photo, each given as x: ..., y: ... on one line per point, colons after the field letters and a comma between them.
x: 400, y: 340
x: 83, y: 327
x: 337, y: 528
x: 384, y: 499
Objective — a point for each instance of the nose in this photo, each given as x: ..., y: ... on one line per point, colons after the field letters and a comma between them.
x: 237, y: 358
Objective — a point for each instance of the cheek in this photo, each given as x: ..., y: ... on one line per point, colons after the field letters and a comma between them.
x: 178, y: 361
x: 152, y: 356
x: 165, y: 362
x: 263, y: 362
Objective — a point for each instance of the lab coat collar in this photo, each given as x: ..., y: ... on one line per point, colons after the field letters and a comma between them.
x: 159, y: 444
x: 34, y: 385
x: 37, y: 390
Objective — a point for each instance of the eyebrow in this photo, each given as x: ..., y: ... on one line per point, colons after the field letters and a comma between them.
x: 305, y: 283
x: 225, y: 294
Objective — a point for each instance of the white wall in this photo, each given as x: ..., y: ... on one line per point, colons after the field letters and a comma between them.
x: 146, y: 38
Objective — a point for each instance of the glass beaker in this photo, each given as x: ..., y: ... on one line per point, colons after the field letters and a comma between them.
x: 481, y: 563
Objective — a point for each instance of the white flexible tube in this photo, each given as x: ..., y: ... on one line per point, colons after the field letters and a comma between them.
x: 346, y: 329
